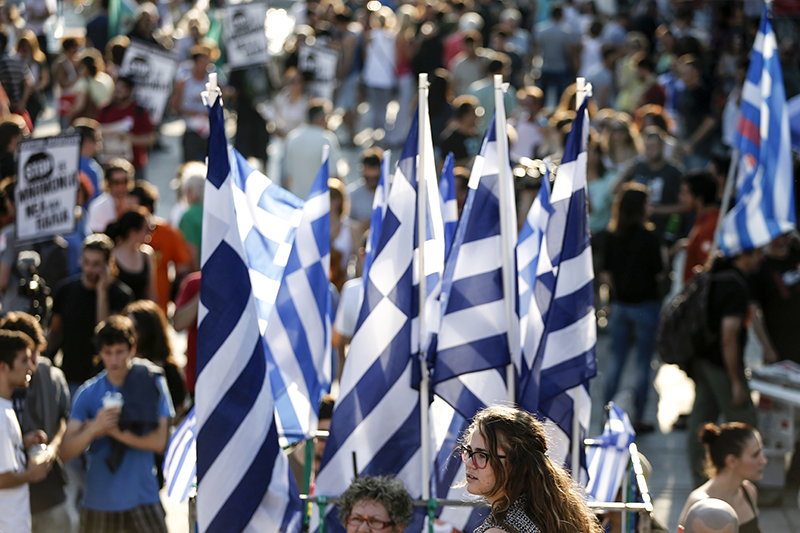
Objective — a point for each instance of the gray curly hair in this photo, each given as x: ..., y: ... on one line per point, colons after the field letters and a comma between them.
x: 386, y: 490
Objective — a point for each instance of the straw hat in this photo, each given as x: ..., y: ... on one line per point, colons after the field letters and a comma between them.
x: 207, y: 48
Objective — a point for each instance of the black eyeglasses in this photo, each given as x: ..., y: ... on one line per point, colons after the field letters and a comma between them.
x: 356, y: 520
x: 479, y: 459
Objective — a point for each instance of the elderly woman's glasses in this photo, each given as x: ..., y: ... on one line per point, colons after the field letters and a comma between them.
x: 356, y: 520
x: 479, y: 459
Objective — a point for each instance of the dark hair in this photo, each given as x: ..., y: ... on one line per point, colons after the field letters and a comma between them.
x: 646, y: 63
x: 99, y: 242
x: 557, y: 11
x: 70, y: 43
x: 12, y: 342
x: 151, y: 327
x: 116, y: 329
x: 326, y: 407
x: 388, y: 491
x: 8, y: 130
x: 722, y: 441
x: 3, y: 38
x: 372, y: 157
x: 551, y: 498
x: 318, y: 108
x: 27, y: 324
x: 93, y: 62
x: 146, y: 193
x: 119, y: 165
x: 130, y: 221
x: 87, y: 128
x: 702, y: 185
x: 464, y: 105
x: 629, y: 210
x: 127, y: 80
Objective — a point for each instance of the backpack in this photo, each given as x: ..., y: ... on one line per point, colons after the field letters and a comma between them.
x: 683, y: 333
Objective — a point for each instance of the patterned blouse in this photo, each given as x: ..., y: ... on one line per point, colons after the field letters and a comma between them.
x: 515, y: 521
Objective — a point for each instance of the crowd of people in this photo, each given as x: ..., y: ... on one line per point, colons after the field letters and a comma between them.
x: 667, y: 80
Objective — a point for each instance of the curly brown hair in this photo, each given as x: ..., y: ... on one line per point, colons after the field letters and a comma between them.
x: 551, y: 498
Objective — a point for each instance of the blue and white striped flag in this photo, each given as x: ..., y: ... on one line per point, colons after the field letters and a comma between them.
x: 472, y: 351
x: 180, y: 461
x: 765, y: 185
x: 529, y: 248
x: 447, y: 191
x: 376, y: 419
x: 298, y: 334
x: 609, y: 455
x: 378, y: 211
x: 561, y: 333
x: 244, y: 480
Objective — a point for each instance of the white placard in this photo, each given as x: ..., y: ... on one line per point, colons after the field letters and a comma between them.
x: 246, y: 35
x: 47, y: 186
x: 153, y: 72
x: 322, y: 62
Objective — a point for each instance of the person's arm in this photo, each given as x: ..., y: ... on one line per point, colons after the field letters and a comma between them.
x: 729, y: 341
x: 27, y: 89
x: 33, y: 474
x: 770, y: 353
x: 5, y: 275
x: 54, y: 335
x: 103, y: 285
x: 44, y: 78
x: 143, y: 139
x: 155, y: 441
x: 699, y: 134
x: 186, y: 314
x: 79, y: 435
x: 152, y: 289
x: 691, y: 500
x: 78, y: 104
x: 55, y: 442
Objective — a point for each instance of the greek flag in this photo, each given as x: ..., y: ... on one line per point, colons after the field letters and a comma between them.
x: 447, y: 191
x: 375, y: 427
x: 180, y: 461
x: 472, y: 350
x: 298, y: 334
x: 609, y: 455
x: 560, y: 337
x: 764, y: 188
x: 244, y: 480
x: 378, y: 211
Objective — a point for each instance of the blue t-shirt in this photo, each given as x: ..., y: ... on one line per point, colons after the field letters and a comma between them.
x: 95, y: 172
x: 134, y: 483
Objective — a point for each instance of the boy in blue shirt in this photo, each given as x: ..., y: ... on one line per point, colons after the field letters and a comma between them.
x: 121, y: 419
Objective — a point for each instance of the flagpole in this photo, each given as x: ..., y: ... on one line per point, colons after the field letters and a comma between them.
x: 726, y: 200
x: 575, y: 452
x: 422, y: 222
x: 505, y: 231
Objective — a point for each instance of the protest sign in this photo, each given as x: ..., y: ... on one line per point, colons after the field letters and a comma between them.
x: 245, y: 35
x: 47, y: 186
x: 153, y: 72
x: 320, y: 60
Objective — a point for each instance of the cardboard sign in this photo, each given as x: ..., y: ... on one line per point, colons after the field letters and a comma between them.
x: 153, y: 71
x: 245, y: 35
x: 322, y: 61
x: 47, y: 186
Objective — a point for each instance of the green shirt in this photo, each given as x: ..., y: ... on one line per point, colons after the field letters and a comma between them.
x: 191, y: 226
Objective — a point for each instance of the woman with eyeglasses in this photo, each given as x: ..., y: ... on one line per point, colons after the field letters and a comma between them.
x: 504, y: 454
x: 376, y: 503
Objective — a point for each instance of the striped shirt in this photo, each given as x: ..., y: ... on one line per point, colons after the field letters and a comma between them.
x: 12, y: 76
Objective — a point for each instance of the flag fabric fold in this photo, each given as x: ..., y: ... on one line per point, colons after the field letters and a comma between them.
x: 561, y: 334
x: 608, y: 457
x: 298, y: 331
x: 447, y: 192
x: 378, y: 211
x: 472, y: 353
x: 375, y: 427
x: 765, y: 199
x: 180, y: 460
x: 244, y: 480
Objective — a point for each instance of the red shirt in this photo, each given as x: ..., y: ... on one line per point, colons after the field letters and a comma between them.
x: 190, y: 287
x: 700, y: 240
x: 141, y: 126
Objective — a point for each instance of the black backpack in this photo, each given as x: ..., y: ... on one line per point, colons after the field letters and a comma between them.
x: 683, y: 333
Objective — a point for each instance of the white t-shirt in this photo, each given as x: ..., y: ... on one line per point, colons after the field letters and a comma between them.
x: 349, y: 306
x: 102, y: 212
x: 15, y: 506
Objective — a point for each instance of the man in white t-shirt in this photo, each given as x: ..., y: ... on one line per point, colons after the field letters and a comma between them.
x: 16, y: 370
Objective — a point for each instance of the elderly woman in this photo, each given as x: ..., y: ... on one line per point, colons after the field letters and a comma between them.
x: 375, y: 504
